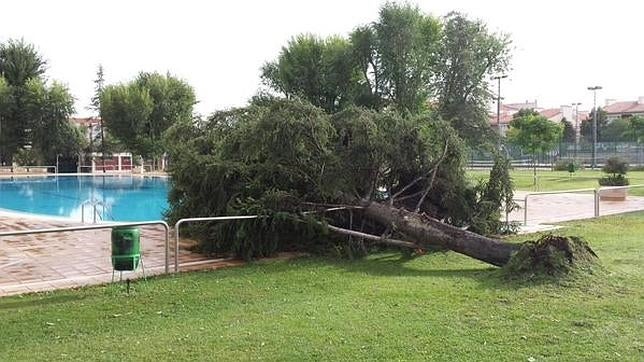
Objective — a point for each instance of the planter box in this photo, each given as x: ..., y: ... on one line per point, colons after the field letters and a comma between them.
x: 613, y: 194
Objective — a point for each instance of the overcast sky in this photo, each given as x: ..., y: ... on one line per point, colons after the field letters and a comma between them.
x: 560, y: 47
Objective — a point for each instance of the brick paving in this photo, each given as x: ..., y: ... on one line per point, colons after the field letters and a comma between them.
x: 41, y: 262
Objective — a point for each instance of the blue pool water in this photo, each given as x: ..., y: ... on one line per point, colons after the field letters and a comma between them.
x: 127, y: 198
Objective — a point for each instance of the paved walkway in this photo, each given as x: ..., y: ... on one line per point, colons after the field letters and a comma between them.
x: 42, y: 262
x: 544, y: 210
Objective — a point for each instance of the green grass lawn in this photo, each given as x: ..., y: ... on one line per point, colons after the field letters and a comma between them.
x: 441, y: 306
x: 561, y: 180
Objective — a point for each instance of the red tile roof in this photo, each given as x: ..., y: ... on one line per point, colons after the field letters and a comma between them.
x: 504, y: 119
x: 624, y: 107
x: 550, y: 112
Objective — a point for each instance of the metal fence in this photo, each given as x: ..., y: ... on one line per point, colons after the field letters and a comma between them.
x: 631, y: 152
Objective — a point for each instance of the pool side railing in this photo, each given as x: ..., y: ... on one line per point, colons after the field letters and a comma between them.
x: 166, y: 227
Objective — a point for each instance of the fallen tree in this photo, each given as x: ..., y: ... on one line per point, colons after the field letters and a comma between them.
x: 402, y: 178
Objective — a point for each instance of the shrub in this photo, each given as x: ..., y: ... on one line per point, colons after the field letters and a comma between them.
x: 614, y: 180
x: 616, y: 168
x: 26, y: 157
x: 567, y: 165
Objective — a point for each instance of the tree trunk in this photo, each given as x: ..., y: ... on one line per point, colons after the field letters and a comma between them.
x: 428, y: 232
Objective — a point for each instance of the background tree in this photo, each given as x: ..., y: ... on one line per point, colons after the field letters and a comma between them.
x: 138, y: 113
x: 34, y: 114
x: 19, y: 63
x: 5, y: 112
x: 568, y: 131
x: 53, y: 134
x: 535, y: 134
x: 469, y: 54
x: 405, y: 60
x: 321, y: 71
x: 99, y: 85
x: 586, y: 127
x: 615, y: 130
x: 635, y: 129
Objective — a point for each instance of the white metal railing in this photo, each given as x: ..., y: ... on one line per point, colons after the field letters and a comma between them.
x: 27, y: 169
x: 596, y: 197
x: 95, y: 204
x: 98, y: 227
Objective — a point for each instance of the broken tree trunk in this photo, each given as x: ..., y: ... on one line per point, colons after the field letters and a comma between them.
x: 427, y: 232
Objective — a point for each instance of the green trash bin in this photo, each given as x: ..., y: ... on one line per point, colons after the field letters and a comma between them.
x: 126, y: 248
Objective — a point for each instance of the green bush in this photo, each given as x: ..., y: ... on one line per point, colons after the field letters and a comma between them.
x: 614, y: 180
x: 616, y: 168
x: 567, y: 165
x: 26, y: 157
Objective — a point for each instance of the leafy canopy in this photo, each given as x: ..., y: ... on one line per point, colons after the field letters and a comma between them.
x: 139, y: 112
x: 534, y: 134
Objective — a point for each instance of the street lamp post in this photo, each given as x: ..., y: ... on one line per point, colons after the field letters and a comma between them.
x: 594, y: 89
x: 498, y: 102
x: 577, y: 130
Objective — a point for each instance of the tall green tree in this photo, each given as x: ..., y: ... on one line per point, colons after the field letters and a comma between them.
x: 33, y: 113
x: 99, y: 85
x: 586, y: 127
x: 568, y: 131
x: 321, y: 71
x: 138, y: 113
x: 19, y: 63
x: 469, y: 54
x: 635, y: 129
x: 535, y: 134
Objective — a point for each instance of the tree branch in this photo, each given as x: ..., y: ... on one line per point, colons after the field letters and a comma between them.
x: 431, y: 181
x: 375, y: 238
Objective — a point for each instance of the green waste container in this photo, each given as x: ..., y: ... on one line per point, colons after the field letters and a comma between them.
x: 126, y: 248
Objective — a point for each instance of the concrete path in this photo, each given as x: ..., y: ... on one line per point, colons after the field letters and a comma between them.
x: 545, y: 210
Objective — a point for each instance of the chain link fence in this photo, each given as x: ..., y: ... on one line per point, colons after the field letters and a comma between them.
x: 631, y: 152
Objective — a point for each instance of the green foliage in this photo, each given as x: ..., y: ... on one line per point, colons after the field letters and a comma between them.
x: 534, y: 134
x: 586, y: 128
x: 33, y: 113
x: 20, y: 62
x: 399, y: 62
x: 279, y: 157
x: 26, y: 157
x: 616, y: 168
x: 469, y: 54
x: 494, y: 198
x: 321, y: 71
x: 569, y: 165
x: 568, y: 131
x: 635, y: 129
x: 138, y: 113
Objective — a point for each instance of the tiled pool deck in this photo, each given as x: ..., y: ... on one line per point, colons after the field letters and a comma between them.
x: 42, y: 262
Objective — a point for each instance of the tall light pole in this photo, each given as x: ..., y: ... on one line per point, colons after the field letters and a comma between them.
x: 498, y: 101
x: 577, y: 130
x: 594, y: 89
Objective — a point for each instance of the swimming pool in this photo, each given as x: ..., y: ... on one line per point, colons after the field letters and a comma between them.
x: 127, y: 198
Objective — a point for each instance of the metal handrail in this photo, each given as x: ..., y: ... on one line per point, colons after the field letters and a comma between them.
x: 594, y: 190
x: 101, y: 226
x: 178, y: 224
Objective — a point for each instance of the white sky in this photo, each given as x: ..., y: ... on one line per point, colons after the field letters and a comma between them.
x: 560, y: 47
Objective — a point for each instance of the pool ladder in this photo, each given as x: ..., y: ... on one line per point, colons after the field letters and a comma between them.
x: 97, y: 214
